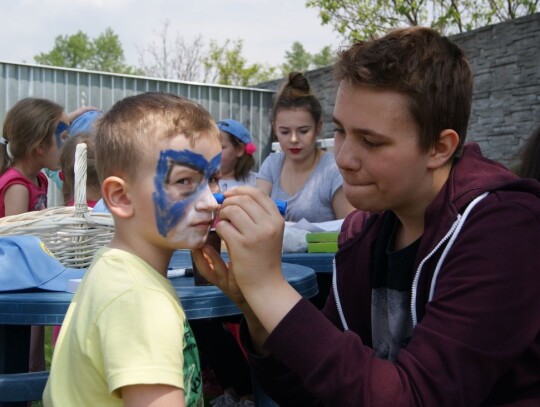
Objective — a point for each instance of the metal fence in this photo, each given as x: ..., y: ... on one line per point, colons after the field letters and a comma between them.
x: 73, y: 88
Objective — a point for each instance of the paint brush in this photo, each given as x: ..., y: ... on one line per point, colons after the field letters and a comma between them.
x: 281, y: 205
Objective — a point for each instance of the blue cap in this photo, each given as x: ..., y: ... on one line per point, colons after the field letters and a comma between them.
x: 84, y: 122
x: 281, y: 205
x: 26, y: 263
x: 235, y: 129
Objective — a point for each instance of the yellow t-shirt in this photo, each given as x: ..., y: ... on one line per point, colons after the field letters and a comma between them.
x: 125, y: 326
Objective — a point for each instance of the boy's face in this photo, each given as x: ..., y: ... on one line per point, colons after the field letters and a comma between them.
x: 177, y: 191
x: 376, y: 145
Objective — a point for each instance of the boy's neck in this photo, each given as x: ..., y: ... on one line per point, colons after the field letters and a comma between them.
x: 157, y: 258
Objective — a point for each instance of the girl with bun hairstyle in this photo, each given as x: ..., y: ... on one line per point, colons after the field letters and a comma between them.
x: 302, y: 174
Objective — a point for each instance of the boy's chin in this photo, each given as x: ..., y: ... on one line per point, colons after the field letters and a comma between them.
x: 187, y: 243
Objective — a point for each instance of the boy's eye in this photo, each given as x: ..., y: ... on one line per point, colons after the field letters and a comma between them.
x: 184, y: 181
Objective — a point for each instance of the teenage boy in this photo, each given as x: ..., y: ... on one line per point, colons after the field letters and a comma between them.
x: 435, y: 299
x: 125, y: 340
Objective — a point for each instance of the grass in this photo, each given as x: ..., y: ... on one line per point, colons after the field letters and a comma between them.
x: 48, y: 357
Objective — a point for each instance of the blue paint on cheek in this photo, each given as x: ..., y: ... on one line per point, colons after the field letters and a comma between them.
x: 168, y: 213
x: 214, y: 166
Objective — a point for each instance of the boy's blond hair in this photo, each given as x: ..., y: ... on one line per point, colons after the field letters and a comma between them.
x: 125, y: 133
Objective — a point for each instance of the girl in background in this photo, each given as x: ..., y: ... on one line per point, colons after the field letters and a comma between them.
x: 33, y: 133
x: 302, y: 174
x: 237, y: 159
x: 93, y: 189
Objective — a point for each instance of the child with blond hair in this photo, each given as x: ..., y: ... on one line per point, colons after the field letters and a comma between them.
x: 125, y: 332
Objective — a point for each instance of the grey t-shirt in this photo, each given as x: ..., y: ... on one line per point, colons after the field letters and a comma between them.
x: 250, y: 180
x: 314, y: 200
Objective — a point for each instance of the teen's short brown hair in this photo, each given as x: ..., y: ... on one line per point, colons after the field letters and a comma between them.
x: 429, y: 69
x: 133, y: 124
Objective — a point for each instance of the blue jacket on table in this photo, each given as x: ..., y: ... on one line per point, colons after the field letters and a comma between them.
x: 477, y: 340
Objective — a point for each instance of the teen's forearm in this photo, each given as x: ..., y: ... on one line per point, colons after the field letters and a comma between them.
x: 269, y: 304
x: 257, y: 332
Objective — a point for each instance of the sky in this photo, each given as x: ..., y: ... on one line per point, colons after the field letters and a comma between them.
x: 267, y: 27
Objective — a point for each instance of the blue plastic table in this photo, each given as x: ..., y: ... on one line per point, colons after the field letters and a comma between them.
x: 319, y: 262
x: 20, y: 310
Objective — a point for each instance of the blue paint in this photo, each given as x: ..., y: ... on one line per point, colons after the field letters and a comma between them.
x: 58, y: 133
x: 167, y: 211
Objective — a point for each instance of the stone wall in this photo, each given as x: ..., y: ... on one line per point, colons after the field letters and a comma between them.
x: 505, y: 59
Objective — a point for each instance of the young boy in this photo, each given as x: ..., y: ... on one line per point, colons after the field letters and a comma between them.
x: 125, y: 340
x: 435, y: 299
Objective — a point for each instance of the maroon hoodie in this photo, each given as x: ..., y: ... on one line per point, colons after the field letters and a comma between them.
x: 477, y: 340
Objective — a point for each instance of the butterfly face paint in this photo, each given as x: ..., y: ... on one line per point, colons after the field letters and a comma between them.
x: 173, y: 194
x: 60, y: 129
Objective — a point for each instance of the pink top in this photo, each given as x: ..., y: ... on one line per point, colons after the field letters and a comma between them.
x: 37, y: 194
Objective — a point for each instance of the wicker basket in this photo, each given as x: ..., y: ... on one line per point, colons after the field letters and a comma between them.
x: 72, y: 233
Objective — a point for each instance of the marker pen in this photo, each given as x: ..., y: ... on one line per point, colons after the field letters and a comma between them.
x: 281, y: 205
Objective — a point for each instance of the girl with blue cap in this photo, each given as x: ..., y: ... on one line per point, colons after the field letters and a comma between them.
x: 237, y: 159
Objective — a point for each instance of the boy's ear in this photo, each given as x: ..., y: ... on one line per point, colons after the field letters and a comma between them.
x: 115, y: 194
x: 444, y: 150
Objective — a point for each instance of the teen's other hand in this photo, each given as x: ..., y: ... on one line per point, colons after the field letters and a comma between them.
x: 215, y: 271
x: 252, y: 227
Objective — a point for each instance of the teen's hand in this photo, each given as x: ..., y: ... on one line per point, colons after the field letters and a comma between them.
x: 252, y: 227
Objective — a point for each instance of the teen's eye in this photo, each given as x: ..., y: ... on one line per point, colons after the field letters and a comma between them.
x: 339, y: 131
x: 370, y: 144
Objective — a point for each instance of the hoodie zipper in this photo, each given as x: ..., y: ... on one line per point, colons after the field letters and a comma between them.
x: 452, y: 234
x: 336, y: 297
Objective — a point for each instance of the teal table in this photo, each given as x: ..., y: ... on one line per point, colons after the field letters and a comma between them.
x: 19, y: 310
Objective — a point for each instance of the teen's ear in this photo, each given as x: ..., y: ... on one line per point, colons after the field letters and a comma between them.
x: 115, y: 194
x: 443, y: 151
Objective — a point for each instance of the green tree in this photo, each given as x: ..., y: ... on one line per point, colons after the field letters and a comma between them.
x: 361, y: 19
x: 324, y: 57
x: 297, y: 59
x: 224, y: 64
x: 104, y: 53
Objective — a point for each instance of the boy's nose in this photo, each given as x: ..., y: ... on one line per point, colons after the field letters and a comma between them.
x: 206, y: 201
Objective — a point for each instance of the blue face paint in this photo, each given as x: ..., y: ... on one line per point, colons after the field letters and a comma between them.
x: 169, y: 211
x: 58, y: 133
